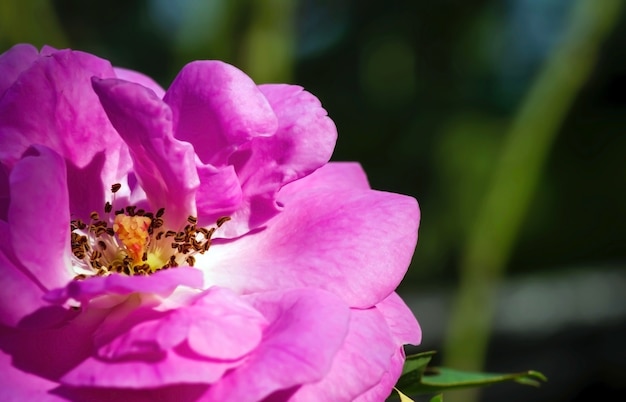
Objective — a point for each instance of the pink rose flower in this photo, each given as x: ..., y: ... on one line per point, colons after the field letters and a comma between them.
x: 189, y: 244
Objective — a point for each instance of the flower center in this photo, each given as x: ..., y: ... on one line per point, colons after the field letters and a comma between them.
x: 130, y: 241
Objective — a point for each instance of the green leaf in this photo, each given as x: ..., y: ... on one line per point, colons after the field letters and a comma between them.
x: 437, y: 398
x: 418, y: 378
x: 418, y: 361
x: 441, y: 379
x: 413, y: 370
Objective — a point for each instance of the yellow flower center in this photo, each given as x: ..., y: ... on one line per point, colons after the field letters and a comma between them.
x: 132, y: 231
x: 133, y: 243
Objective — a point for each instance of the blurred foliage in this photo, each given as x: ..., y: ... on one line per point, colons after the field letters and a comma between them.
x: 517, y: 172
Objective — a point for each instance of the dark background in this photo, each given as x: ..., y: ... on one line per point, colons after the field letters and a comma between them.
x: 425, y: 95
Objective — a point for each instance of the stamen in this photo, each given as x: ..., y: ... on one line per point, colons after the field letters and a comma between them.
x: 128, y: 242
x: 222, y: 221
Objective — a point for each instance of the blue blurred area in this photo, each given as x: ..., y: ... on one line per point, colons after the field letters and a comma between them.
x: 423, y: 94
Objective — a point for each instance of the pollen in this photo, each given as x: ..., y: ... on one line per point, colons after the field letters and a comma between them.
x: 132, y: 241
x: 132, y: 231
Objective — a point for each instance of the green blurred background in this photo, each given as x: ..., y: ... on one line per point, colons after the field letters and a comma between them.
x: 504, y: 118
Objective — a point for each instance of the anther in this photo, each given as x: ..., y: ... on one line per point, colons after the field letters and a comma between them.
x: 222, y: 221
x: 124, y: 244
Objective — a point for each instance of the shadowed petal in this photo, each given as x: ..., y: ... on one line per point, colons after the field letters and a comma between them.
x: 219, y: 193
x: 219, y: 325
x: 173, y: 393
x: 49, y: 353
x: 52, y: 104
x: 39, y: 217
x: 18, y: 386
x: 165, y: 167
x: 142, y: 364
x: 5, y: 193
x: 161, y: 283
x: 14, y: 306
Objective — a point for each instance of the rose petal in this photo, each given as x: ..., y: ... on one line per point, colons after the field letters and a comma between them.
x: 68, y: 114
x: 52, y: 104
x: 334, y: 176
x: 63, y: 354
x: 359, y: 365
x: 5, y: 193
x: 139, y: 78
x: 404, y: 330
x: 14, y: 306
x: 223, y: 326
x: 217, y: 108
x: 219, y: 325
x: 49, y: 353
x: 307, y: 327
x: 13, y: 62
x: 174, y: 393
x: 219, y: 193
x: 357, y: 244
x: 18, y: 386
x: 147, y: 366
x: 165, y: 167
x: 135, y: 330
x: 39, y: 217
x: 404, y: 327
x: 161, y: 283
x: 303, y: 142
x: 383, y: 389
x: 47, y: 50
